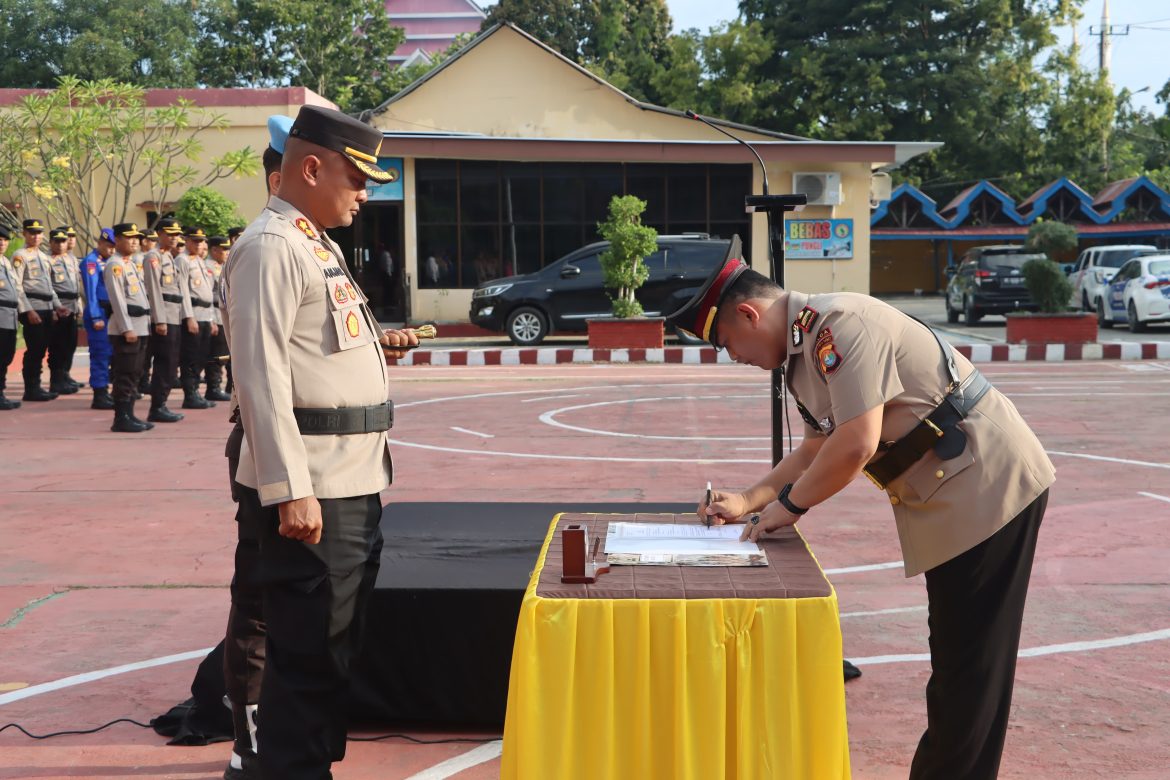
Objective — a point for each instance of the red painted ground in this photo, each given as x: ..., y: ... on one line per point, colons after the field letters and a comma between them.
x: 134, y: 533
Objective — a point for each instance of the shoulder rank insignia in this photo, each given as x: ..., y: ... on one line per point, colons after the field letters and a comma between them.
x: 828, y: 358
x: 806, y: 318
x: 304, y: 226
x: 797, y: 335
x: 322, y: 253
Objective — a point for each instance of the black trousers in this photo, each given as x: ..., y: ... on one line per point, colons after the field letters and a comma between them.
x: 36, y: 343
x: 7, y: 352
x: 314, y: 604
x: 976, y: 609
x: 218, y: 347
x: 126, y: 366
x: 164, y: 358
x: 193, y: 349
x: 62, y: 343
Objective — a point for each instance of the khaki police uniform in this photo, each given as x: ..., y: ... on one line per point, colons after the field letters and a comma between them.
x: 170, y: 305
x: 194, y: 347
x: 303, y: 338
x: 129, y: 311
x: 10, y: 307
x: 66, y: 276
x: 35, y: 272
x: 217, y: 348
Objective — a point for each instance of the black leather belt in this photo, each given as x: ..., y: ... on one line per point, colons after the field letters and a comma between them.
x: 348, y: 420
x: 172, y: 298
x: 67, y: 296
x: 39, y: 296
x: 137, y: 311
x: 201, y: 304
x: 8, y: 305
x: 939, y: 431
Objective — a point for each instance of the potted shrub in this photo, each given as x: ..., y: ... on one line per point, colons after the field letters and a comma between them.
x: 624, y: 272
x: 1056, y: 322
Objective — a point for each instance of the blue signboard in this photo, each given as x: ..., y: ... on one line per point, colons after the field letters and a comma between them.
x: 391, y: 190
x: 815, y: 239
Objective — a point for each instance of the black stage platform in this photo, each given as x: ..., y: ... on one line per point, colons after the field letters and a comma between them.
x: 443, y: 615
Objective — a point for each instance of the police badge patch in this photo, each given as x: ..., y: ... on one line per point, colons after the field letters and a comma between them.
x: 828, y: 358
x: 322, y: 253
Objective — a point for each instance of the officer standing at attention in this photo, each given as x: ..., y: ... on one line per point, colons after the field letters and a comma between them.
x: 63, y: 332
x: 170, y: 308
x: 94, y: 318
x: 882, y: 395
x: 71, y: 250
x: 129, y: 324
x: 217, y: 355
x: 10, y: 307
x: 34, y: 271
x: 311, y: 383
x: 196, y: 341
x: 146, y: 245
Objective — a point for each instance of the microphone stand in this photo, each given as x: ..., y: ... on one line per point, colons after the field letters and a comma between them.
x: 769, y: 204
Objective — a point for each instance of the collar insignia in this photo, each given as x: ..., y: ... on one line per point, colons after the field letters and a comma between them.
x: 806, y: 318
x: 797, y: 334
x: 304, y: 226
x: 322, y: 253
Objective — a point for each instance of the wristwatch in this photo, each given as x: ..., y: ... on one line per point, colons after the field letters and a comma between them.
x: 787, y: 504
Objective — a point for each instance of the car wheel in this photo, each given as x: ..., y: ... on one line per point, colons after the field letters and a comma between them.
x: 952, y: 314
x: 1101, y: 321
x: 527, y: 326
x: 1135, y: 325
x: 970, y: 313
x: 687, y: 338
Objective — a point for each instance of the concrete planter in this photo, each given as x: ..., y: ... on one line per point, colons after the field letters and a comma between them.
x: 631, y: 333
x: 1041, y: 328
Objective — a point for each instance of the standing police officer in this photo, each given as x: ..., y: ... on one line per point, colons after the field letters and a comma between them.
x: 63, y: 332
x: 146, y: 245
x: 129, y: 325
x: 882, y: 395
x: 217, y: 357
x: 97, y: 300
x: 311, y: 382
x: 196, y: 342
x: 10, y: 307
x: 34, y: 271
x: 170, y: 308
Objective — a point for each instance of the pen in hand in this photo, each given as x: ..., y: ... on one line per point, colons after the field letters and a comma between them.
x: 706, y: 515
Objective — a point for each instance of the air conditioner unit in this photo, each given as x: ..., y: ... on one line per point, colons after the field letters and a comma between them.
x: 822, y: 189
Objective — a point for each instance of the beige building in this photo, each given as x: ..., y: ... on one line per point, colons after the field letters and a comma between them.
x: 510, y: 152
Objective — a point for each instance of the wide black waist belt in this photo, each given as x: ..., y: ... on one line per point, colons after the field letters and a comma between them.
x: 201, y: 304
x: 172, y: 298
x: 349, y: 420
x: 67, y: 296
x: 938, y: 432
x: 8, y: 304
x: 39, y: 296
x: 137, y: 311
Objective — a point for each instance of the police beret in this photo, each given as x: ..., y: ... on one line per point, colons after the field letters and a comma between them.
x: 106, y: 234
x: 5, y: 232
x: 357, y: 141
x: 127, y: 230
x: 170, y: 226
x: 33, y: 226
x: 278, y: 127
x: 58, y: 234
x: 220, y: 241
x: 196, y: 233
x: 697, y: 316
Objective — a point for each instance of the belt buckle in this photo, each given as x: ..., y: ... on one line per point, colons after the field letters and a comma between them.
x: 877, y: 483
x: 937, y: 430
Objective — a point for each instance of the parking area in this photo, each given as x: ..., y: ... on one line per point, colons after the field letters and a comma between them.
x: 118, y: 551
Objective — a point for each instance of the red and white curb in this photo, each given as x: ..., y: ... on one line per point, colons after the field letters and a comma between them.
x: 976, y: 353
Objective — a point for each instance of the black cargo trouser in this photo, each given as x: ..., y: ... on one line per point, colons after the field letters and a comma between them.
x: 976, y: 604
x: 314, y: 603
x: 62, y: 343
x: 193, y: 349
x: 164, y: 359
x: 36, y: 343
x: 126, y: 366
x: 7, y: 352
x: 218, y: 348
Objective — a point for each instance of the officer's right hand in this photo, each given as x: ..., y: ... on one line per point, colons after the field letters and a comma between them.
x: 161, y: 329
x: 192, y: 326
x: 725, y: 507
x: 99, y: 324
x: 33, y: 317
x: 130, y: 336
x: 300, y: 519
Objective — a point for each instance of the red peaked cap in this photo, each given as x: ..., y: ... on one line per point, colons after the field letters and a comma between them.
x: 697, y: 316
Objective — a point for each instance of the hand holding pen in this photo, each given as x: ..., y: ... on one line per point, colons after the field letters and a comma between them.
x: 719, y: 507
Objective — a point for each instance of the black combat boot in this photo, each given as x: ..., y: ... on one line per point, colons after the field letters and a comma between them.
x: 6, y: 404
x: 33, y: 390
x: 102, y: 399
x: 144, y: 423
x: 59, y: 383
x: 124, y: 422
x: 213, y: 391
x: 160, y: 413
x: 192, y: 399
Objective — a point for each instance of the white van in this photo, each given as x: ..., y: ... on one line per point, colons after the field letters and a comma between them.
x: 1095, y: 267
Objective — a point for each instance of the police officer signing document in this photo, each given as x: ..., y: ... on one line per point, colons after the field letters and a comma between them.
x: 311, y: 383
x: 967, y: 478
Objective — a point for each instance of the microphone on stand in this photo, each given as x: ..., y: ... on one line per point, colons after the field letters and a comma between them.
x: 692, y: 115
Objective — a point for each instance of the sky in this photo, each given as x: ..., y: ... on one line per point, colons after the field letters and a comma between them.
x: 1139, y: 59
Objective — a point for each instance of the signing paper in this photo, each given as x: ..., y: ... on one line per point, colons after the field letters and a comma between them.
x: 687, y: 544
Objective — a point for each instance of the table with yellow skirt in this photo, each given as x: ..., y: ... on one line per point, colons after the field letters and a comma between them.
x: 673, y: 672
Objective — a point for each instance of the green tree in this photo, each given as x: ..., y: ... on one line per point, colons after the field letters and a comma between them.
x: 1051, y: 237
x: 54, y: 147
x: 562, y: 24
x: 1049, y: 288
x: 630, y: 242
x: 207, y: 208
x: 341, y: 50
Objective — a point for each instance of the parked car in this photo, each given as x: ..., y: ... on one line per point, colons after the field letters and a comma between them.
x: 564, y: 294
x: 1138, y: 294
x: 1095, y: 267
x: 990, y: 280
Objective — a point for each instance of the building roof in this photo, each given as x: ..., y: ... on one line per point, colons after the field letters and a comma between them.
x: 431, y: 26
x: 227, y: 97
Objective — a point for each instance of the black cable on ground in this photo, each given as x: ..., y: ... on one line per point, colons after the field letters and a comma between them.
x: 29, y: 734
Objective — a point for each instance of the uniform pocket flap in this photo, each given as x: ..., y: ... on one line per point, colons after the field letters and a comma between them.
x: 352, y: 330
x: 931, y: 473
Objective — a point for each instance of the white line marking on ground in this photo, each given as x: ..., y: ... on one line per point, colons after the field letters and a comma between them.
x: 894, y: 611
x: 542, y: 456
x: 550, y: 398
x: 453, y: 766
x: 1033, y: 652
x: 79, y: 679
x: 866, y: 567
x: 473, y: 433
x: 1154, y: 495
x: 1086, y: 456
x: 549, y: 418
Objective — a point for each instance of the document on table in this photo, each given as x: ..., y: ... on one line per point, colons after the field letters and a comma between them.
x: 680, y: 544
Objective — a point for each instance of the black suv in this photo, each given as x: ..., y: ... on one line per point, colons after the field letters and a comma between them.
x: 990, y: 280
x: 564, y: 294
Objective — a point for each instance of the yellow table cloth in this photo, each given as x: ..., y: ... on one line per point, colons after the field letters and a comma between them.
x: 667, y: 685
